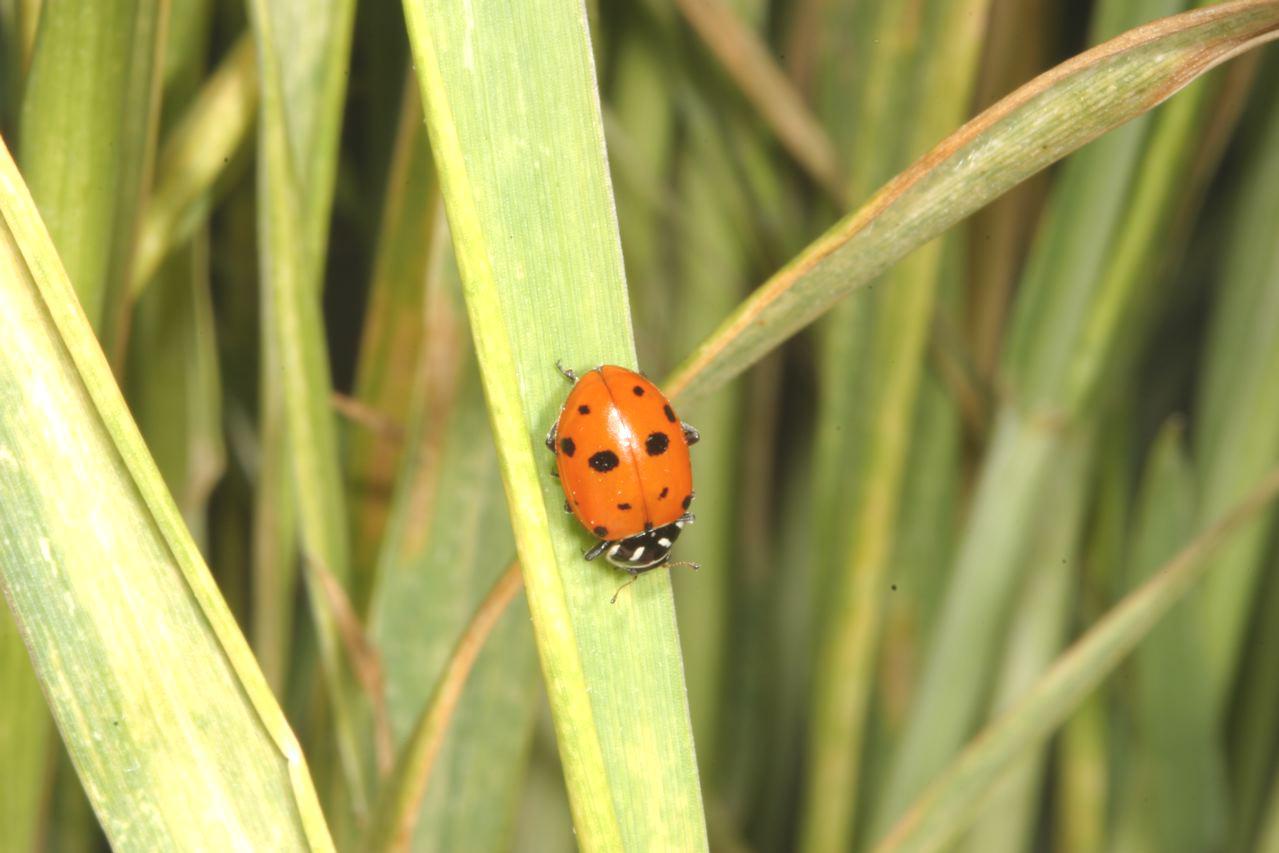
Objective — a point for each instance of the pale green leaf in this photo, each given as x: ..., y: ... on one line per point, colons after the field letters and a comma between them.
x: 515, y: 127
x: 173, y: 731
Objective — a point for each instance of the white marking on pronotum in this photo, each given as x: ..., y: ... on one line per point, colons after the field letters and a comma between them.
x: 639, y: 552
x: 665, y: 543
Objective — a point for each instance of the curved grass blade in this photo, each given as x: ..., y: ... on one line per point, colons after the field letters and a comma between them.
x: 195, y: 154
x: 1237, y: 417
x: 878, y: 407
x: 1086, y: 302
x: 85, y: 133
x: 302, y: 86
x: 1040, y: 628
x: 515, y: 127
x: 174, y: 732
x: 747, y: 60
x: 1053, y: 115
x: 948, y: 804
x: 447, y: 538
x: 1177, y: 761
x: 86, y: 140
x: 171, y: 375
x: 393, y: 333
x: 396, y: 815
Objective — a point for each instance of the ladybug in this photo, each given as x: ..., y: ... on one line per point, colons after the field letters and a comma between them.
x: 621, y: 455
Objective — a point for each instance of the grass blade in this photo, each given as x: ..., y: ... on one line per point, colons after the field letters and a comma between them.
x: 515, y: 127
x: 1037, y: 633
x: 947, y: 805
x: 1181, y: 773
x: 396, y: 815
x: 900, y: 318
x: 1086, y: 301
x: 86, y: 140
x: 195, y: 155
x: 1051, y: 116
x: 447, y: 540
x: 302, y: 89
x: 177, y: 742
x: 393, y: 332
x: 748, y: 61
x: 1238, y: 416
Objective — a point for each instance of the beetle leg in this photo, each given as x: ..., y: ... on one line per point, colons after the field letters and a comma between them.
x: 686, y: 519
x: 550, y: 436
x: 634, y: 578
x: 691, y: 435
x: 568, y: 373
x: 555, y: 471
x: 567, y: 508
x: 599, y: 548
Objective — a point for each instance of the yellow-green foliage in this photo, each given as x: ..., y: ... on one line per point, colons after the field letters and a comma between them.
x: 990, y: 445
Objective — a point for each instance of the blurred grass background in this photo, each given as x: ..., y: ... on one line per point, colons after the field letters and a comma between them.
x: 905, y: 514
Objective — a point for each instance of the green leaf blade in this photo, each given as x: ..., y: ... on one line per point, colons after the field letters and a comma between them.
x: 515, y: 126
x: 171, y: 727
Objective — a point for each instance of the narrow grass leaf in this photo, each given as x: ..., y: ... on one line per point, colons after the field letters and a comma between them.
x: 1085, y: 303
x: 515, y: 127
x: 172, y: 379
x: 748, y: 60
x: 447, y: 543
x: 302, y: 52
x: 946, y: 806
x: 1253, y: 737
x: 177, y: 741
x: 1181, y: 772
x: 390, y: 347
x: 1033, y: 127
x: 397, y: 813
x: 1035, y: 638
x: 196, y: 153
x: 87, y: 139
x: 1238, y: 416
x: 901, y: 319
x: 712, y: 267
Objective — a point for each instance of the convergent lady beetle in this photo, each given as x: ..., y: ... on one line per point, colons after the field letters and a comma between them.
x: 622, y: 458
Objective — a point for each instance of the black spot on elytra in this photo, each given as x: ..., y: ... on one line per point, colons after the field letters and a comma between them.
x: 569, y: 448
x: 666, y: 490
x: 601, y: 531
x: 639, y: 391
x: 584, y: 409
x: 656, y: 443
x: 604, y: 461
x: 688, y: 501
x: 623, y: 506
x: 670, y: 413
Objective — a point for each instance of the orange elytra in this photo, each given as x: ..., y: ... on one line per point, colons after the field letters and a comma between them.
x: 622, y: 457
